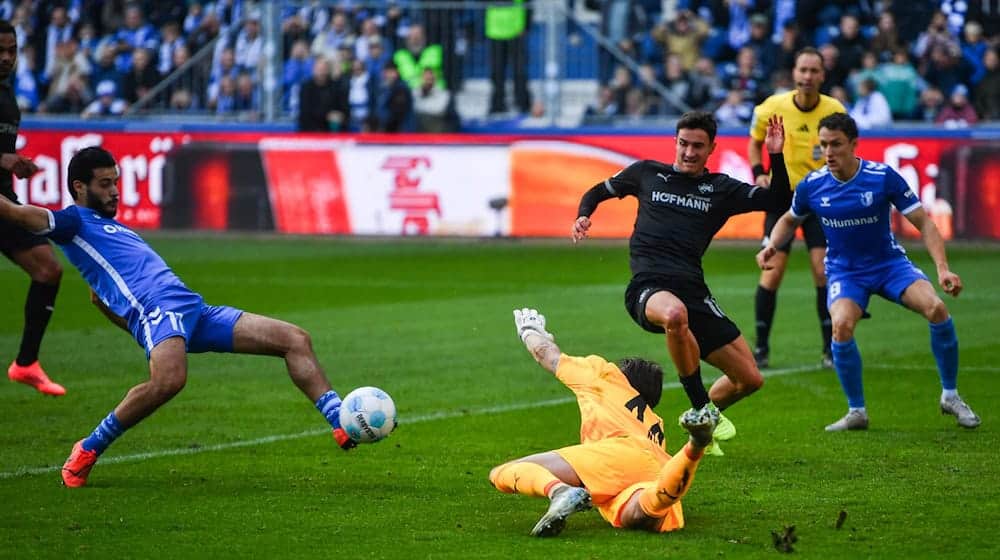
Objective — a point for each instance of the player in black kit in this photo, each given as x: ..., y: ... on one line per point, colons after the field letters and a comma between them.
x: 681, y: 207
x: 31, y: 252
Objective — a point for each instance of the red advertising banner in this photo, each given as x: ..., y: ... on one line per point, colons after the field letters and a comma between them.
x: 449, y: 184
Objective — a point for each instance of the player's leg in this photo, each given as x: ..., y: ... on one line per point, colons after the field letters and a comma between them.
x: 257, y: 334
x: 741, y: 379
x: 546, y: 475
x: 667, y: 311
x: 920, y: 296
x: 35, y: 256
x: 647, y: 508
x: 766, y: 296
x: 167, y: 376
x: 816, y: 243
x: 846, y: 309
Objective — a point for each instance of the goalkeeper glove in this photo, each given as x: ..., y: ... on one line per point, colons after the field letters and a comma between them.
x: 530, y: 321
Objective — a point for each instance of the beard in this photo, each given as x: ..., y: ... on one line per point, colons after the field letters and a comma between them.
x: 106, y: 209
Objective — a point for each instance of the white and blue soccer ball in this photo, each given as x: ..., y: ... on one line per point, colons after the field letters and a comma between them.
x: 368, y: 414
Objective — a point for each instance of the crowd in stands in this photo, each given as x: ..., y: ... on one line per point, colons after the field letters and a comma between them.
x: 886, y: 60
x: 393, y: 66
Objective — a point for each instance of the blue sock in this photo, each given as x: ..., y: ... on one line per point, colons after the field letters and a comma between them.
x: 944, y: 346
x: 329, y: 406
x: 847, y: 362
x: 104, y: 434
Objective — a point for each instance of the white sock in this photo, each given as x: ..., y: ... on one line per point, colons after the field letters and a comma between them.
x: 949, y: 394
x: 861, y: 410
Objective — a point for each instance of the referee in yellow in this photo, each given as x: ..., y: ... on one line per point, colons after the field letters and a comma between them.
x: 802, y: 109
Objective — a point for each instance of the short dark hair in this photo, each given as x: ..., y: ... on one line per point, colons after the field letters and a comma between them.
x: 644, y: 376
x: 6, y: 27
x: 82, y: 166
x: 809, y: 50
x: 842, y: 122
x: 699, y: 120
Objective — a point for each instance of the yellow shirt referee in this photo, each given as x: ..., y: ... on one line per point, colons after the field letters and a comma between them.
x: 802, y: 109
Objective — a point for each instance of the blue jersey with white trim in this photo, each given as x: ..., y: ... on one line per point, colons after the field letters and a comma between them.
x: 120, y: 267
x: 855, y: 213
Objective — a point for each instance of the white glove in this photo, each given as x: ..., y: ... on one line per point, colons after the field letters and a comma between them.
x: 530, y: 321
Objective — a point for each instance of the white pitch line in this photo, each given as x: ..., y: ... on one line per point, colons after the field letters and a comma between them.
x: 29, y: 471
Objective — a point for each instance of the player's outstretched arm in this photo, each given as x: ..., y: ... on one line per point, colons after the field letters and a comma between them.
x: 782, y: 232
x: 31, y: 218
x: 950, y: 282
x: 588, y: 203
x: 540, y: 342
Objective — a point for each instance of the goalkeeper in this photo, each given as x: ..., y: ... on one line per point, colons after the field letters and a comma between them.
x: 621, y: 465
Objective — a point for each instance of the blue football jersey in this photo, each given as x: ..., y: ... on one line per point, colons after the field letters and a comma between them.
x: 855, y: 213
x: 124, y: 272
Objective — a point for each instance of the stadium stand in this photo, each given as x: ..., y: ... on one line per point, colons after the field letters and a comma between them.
x: 602, y: 62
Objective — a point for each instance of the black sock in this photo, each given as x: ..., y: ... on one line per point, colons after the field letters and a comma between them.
x: 37, y: 311
x: 825, y: 324
x: 695, y: 389
x: 764, y: 303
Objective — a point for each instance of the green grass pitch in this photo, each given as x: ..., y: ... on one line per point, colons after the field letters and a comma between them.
x: 240, y: 464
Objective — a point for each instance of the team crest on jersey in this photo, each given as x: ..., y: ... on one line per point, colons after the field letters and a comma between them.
x: 867, y: 198
x: 705, y: 188
x: 824, y: 201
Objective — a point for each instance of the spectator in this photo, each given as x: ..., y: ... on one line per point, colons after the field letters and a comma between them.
x: 107, y: 103
x: 193, y: 18
x: 224, y: 100
x: 418, y: 56
x: 869, y: 69
x: 871, y: 110
x: 182, y: 101
x: 369, y: 34
x: 249, y: 44
x: 735, y: 111
x: 135, y: 34
x: 393, y: 103
x: 707, y: 79
x: 297, y: 69
x: 986, y: 13
x: 791, y: 43
x: 745, y: 75
x: 836, y: 74
x: 320, y: 106
x: 620, y: 85
x: 621, y: 22
x: 683, y: 37
x: 326, y: 43
x: 68, y: 63
x: 360, y: 97
x: 935, y: 36
x: 931, y: 103
x: 677, y: 80
x: 141, y: 78
x: 170, y: 43
x: 506, y: 29
x: 850, y: 44
x: 432, y: 105
x: 946, y: 68
x: 973, y: 48
x: 73, y: 100
x: 26, y: 84
x: 105, y: 67
x: 764, y: 50
x: 87, y: 37
x: 343, y: 62
x: 840, y: 94
x: 957, y: 113
x: 58, y: 32
x: 245, y: 99
x: 377, y: 58
x: 900, y: 83
x: 886, y: 40
x: 988, y: 89
x: 604, y: 108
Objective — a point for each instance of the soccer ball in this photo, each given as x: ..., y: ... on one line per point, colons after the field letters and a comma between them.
x: 368, y: 414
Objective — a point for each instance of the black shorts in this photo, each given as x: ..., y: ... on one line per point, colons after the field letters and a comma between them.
x: 13, y: 239
x: 812, y: 231
x: 710, y: 326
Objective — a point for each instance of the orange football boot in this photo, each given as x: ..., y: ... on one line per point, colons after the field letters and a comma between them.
x: 78, y: 465
x: 35, y: 376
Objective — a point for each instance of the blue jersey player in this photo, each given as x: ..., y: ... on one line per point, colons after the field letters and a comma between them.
x: 136, y: 289
x: 852, y: 198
